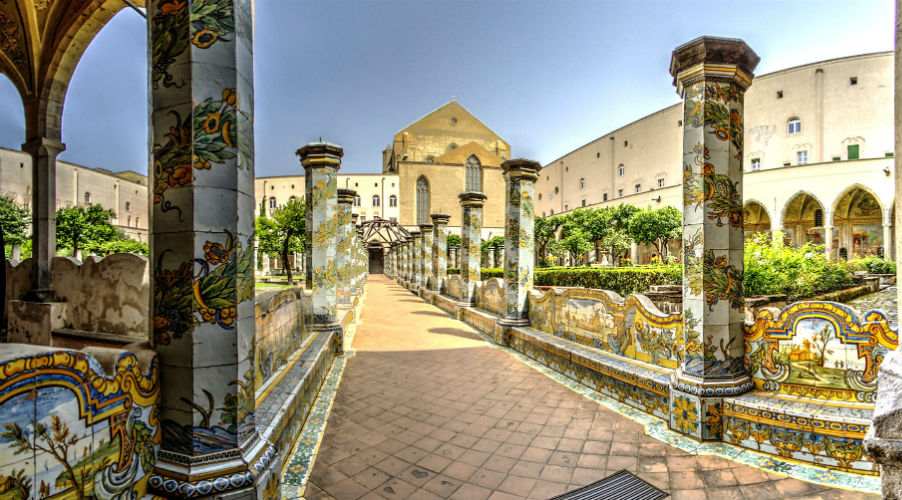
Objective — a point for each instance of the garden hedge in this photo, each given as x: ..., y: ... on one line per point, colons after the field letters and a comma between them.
x: 623, y: 280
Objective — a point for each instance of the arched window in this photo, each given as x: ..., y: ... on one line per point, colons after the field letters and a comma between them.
x: 87, y: 197
x: 293, y: 198
x: 582, y: 183
x: 819, y: 218
x: 128, y: 206
x: 356, y: 201
x: 272, y: 202
x: 474, y: 174
x: 794, y: 126
x: 376, y: 200
x: 393, y: 201
x: 422, y: 201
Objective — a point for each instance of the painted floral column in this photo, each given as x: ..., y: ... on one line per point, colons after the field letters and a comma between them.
x: 439, y: 249
x: 471, y: 204
x: 346, y: 253
x: 489, y: 257
x: 711, y: 75
x: 321, y: 162
x: 416, y: 258
x: 426, y: 254
x: 499, y: 256
x: 520, y: 176
x: 202, y: 136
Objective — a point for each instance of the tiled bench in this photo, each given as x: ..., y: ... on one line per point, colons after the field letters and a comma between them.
x: 825, y: 433
x: 641, y: 385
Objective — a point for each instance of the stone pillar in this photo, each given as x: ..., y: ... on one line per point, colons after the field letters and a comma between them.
x: 43, y: 152
x: 426, y: 254
x: 489, y: 257
x: 499, y: 256
x: 711, y: 75
x: 321, y: 162
x: 634, y: 254
x: 416, y: 258
x: 202, y: 248
x: 405, y: 260
x: 828, y: 241
x: 888, y: 235
x: 471, y: 237
x: 439, y: 249
x: 520, y: 176
x: 347, y: 249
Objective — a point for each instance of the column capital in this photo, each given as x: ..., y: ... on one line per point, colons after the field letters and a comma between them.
x: 472, y: 198
x: 440, y: 218
x: 425, y: 227
x: 415, y: 234
x: 51, y: 146
x: 525, y: 168
x: 346, y: 197
x: 321, y: 154
x: 354, y: 218
x: 709, y: 57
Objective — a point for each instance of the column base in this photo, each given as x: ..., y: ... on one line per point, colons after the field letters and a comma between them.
x: 40, y: 295
x: 503, y: 327
x: 696, y: 408
x: 33, y: 322
x: 239, y: 473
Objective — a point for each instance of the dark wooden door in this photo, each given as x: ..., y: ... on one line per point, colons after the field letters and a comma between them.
x: 376, y: 261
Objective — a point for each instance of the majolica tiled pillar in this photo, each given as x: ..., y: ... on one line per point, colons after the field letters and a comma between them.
x: 404, y: 252
x: 455, y: 256
x: 426, y: 254
x: 346, y: 255
x: 489, y: 257
x: 711, y: 75
x: 202, y: 251
x: 471, y: 204
x: 321, y: 162
x: 499, y: 256
x: 520, y: 176
x: 416, y: 258
x: 439, y: 249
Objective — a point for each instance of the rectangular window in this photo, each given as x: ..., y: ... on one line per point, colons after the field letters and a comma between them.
x: 888, y: 155
x: 584, y: 202
x: 853, y: 151
x: 638, y: 188
x: 621, y: 169
x: 660, y: 183
x: 801, y: 157
x: 393, y: 219
x: 604, y: 197
x: 756, y: 164
x: 836, y: 158
x: 620, y: 193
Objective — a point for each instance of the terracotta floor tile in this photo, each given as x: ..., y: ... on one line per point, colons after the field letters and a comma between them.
x: 547, y: 489
x: 487, y: 478
x: 516, y: 485
x: 471, y: 492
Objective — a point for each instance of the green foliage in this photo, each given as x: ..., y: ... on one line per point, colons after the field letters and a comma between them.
x: 87, y: 228
x: 14, y: 220
x: 284, y: 233
x: 774, y: 268
x: 576, y: 238
x: 453, y: 239
x: 656, y: 227
x: 121, y: 246
x: 623, y: 280
x: 613, y: 237
x: 874, y: 265
x: 545, y: 231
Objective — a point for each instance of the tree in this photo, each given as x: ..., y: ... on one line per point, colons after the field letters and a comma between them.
x: 14, y: 221
x: 453, y: 240
x: 657, y: 227
x: 54, y: 439
x: 575, y: 238
x: 491, y: 242
x: 284, y: 233
x: 545, y: 231
x: 85, y: 228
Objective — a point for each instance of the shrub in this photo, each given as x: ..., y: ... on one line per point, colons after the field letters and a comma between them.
x: 623, y: 280
x: 874, y: 265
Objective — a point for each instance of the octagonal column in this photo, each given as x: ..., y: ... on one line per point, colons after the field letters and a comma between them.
x: 416, y: 267
x: 471, y: 204
x: 346, y: 263
x: 321, y: 162
x: 455, y: 256
x: 489, y: 259
x: 426, y: 254
x: 711, y: 75
x: 520, y: 176
x: 202, y: 241
x: 403, y: 253
x: 43, y: 152
x: 439, y: 249
x: 499, y: 255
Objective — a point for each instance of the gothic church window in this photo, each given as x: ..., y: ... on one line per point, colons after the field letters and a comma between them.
x: 474, y: 174
x: 422, y: 201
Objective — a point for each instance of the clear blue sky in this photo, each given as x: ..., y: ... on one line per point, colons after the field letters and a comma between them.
x: 547, y: 76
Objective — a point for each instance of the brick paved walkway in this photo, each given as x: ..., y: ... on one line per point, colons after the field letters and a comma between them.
x: 427, y: 410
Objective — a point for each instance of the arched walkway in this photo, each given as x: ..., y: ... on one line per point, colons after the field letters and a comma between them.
x: 428, y: 409
x: 858, y: 223
x: 755, y: 218
x: 803, y: 220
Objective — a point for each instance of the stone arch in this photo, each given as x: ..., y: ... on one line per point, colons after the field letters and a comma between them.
x: 756, y: 218
x: 799, y: 215
x: 857, y: 218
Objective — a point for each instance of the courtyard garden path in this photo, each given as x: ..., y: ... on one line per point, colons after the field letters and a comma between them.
x: 428, y: 409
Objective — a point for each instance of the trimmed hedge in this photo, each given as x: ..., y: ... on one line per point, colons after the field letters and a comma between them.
x: 623, y: 280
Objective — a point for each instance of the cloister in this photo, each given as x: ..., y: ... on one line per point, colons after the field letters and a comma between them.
x: 128, y: 377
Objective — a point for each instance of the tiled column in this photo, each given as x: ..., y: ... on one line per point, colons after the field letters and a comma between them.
x: 426, y: 254
x: 439, y: 249
x: 711, y: 75
x: 346, y: 263
x: 499, y: 256
x: 455, y: 254
x: 489, y: 257
x: 416, y: 258
x: 321, y: 162
x: 405, y: 264
x: 520, y: 176
x: 471, y: 204
x: 202, y: 252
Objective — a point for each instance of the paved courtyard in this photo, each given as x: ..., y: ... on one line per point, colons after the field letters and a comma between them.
x: 426, y: 409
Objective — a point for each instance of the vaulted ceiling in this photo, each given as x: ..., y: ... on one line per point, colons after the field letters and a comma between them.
x: 41, y: 42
